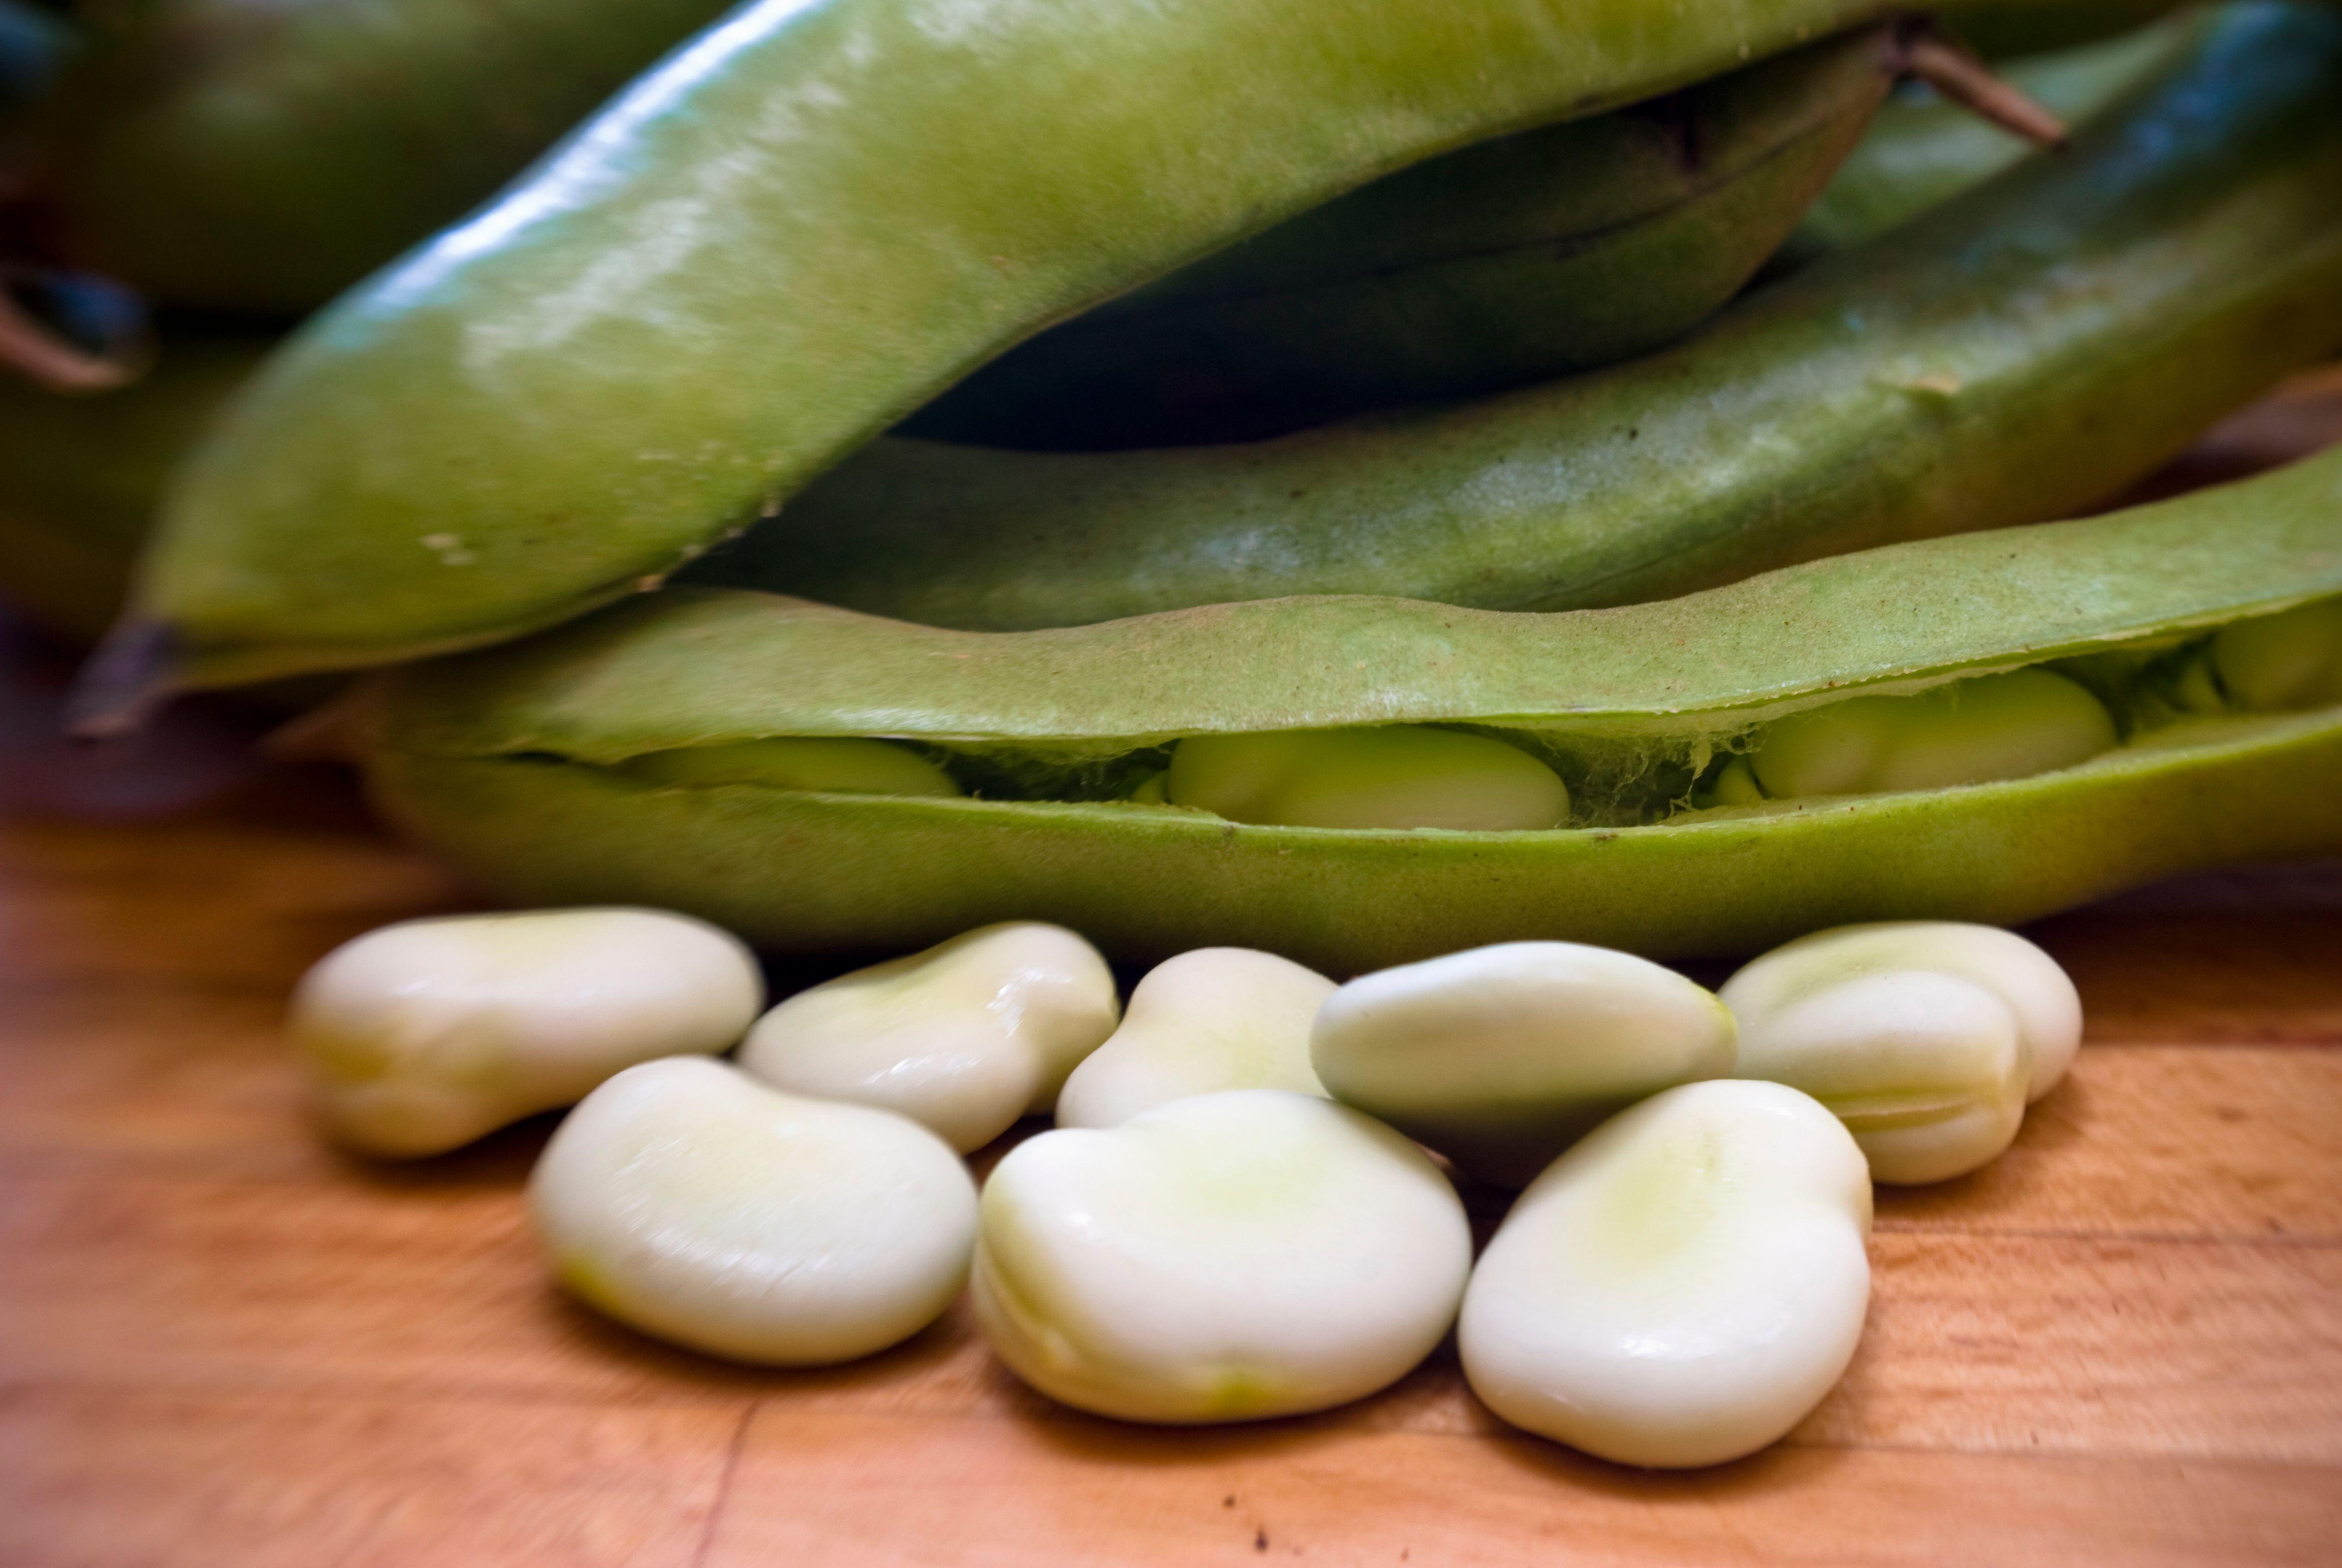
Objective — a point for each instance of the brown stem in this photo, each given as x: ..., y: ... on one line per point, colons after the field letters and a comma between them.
x: 123, y: 683
x: 1960, y: 76
x: 29, y: 347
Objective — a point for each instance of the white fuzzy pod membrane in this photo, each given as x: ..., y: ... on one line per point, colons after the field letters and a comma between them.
x: 2039, y: 995
x: 1683, y: 1286
x: 1228, y: 1257
x: 1215, y: 1019
x: 965, y: 1037
x: 1499, y: 1058
x: 689, y: 1201
x: 424, y: 1035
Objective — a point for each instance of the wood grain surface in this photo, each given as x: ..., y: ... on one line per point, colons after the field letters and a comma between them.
x: 223, y: 1344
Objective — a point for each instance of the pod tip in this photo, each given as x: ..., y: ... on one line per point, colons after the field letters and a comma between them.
x: 129, y: 676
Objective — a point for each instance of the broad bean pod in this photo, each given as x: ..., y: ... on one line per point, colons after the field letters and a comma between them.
x: 517, y: 764
x: 2018, y: 354
x: 1554, y: 250
x: 1623, y: 229
x: 797, y: 229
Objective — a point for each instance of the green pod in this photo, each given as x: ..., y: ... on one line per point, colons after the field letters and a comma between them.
x: 794, y: 232
x: 2002, y: 32
x: 517, y: 764
x: 1558, y: 249
x: 261, y: 155
x: 81, y: 475
x: 1923, y: 151
x: 33, y: 44
x: 2017, y: 355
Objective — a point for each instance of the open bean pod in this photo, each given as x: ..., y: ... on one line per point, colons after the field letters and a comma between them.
x: 525, y: 766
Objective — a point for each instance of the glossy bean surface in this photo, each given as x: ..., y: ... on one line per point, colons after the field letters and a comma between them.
x: 422, y: 1036
x: 1976, y: 730
x: 963, y: 1038
x: 1212, y: 1020
x: 691, y: 1203
x: 1682, y: 1287
x: 1229, y: 1257
x: 1501, y: 1057
x: 1393, y: 775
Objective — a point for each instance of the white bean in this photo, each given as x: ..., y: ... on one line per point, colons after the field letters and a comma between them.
x: 1924, y: 1070
x: 1217, y: 1018
x: 965, y: 1037
x: 1228, y: 1257
x: 1683, y: 1286
x: 424, y: 1035
x: 1499, y: 1058
x: 689, y: 1201
x: 2047, y: 1009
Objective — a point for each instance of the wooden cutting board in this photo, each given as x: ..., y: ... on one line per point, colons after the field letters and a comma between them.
x: 221, y: 1343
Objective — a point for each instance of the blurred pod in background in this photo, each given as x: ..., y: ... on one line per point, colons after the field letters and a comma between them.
x: 2002, y: 32
x: 261, y: 155
x: 33, y: 42
x: 80, y: 476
